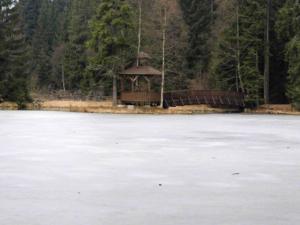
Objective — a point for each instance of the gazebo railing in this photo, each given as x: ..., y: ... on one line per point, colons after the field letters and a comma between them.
x: 140, y: 97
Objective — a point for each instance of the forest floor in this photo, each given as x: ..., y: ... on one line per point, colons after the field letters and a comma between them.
x: 106, y: 107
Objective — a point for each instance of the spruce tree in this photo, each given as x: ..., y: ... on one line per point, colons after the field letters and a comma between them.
x: 238, y: 59
x: 198, y: 16
x: 288, y: 29
x: 50, y: 34
x: 31, y: 11
x: 75, y: 60
x: 111, y: 29
x: 42, y: 44
x: 60, y: 22
x: 13, y: 55
x: 278, y: 65
x: 3, y: 50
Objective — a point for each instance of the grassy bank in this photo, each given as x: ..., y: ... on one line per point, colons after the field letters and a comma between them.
x: 8, y: 106
x: 106, y: 107
x: 274, y: 109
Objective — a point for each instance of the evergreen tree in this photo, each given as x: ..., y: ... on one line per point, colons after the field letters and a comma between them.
x: 50, y: 34
x: 198, y: 16
x: 42, y: 44
x: 3, y: 49
x: 111, y: 30
x: 278, y: 66
x: 288, y: 28
x: 60, y: 15
x: 75, y: 60
x: 176, y: 45
x: 31, y: 11
x: 13, y: 55
x: 238, y: 59
x: 61, y: 11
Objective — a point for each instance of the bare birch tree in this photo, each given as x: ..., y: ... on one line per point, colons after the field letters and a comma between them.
x: 164, y: 28
x: 267, y: 56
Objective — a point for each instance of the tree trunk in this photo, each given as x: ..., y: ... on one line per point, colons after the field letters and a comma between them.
x: 140, y: 32
x: 239, y: 82
x: 212, y: 9
x: 115, y: 97
x: 257, y: 70
x: 63, y: 77
x: 267, y: 56
x: 163, y: 56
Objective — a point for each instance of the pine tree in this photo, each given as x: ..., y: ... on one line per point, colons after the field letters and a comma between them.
x: 3, y: 50
x: 288, y: 29
x: 60, y: 22
x: 31, y: 11
x: 240, y: 53
x: 60, y: 14
x: 75, y: 61
x: 42, y: 44
x: 198, y: 16
x: 278, y: 66
x: 13, y: 55
x: 111, y: 30
x: 49, y: 35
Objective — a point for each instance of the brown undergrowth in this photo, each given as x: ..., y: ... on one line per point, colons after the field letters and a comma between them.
x: 106, y: 107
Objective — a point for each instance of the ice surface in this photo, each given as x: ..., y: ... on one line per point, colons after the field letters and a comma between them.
x: 90, y: 169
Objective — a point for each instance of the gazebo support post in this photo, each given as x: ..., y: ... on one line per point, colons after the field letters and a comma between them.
x: 148, y: 82
x: 122, y: 84
x: 115, y: 95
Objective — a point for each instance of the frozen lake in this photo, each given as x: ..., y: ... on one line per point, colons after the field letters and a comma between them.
x: 90, y: 169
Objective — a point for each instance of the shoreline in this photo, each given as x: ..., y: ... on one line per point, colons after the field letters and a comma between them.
x: 107, y: 108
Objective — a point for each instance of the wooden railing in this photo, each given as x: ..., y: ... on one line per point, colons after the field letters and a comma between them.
x: 186, y: 97
x: 197, y: 97
x: 140, y: 97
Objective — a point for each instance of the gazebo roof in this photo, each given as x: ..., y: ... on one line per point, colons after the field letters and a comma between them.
x: 141, y: 70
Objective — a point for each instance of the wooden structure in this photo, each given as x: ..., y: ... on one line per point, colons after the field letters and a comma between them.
x: 137, y: 89
x: 137, y: 83
x: 222, y: 99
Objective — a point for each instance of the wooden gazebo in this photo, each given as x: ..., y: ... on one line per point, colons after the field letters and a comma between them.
x: 137, y: 83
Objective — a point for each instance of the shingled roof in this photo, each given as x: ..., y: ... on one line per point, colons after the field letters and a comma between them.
x: 141, y: 70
